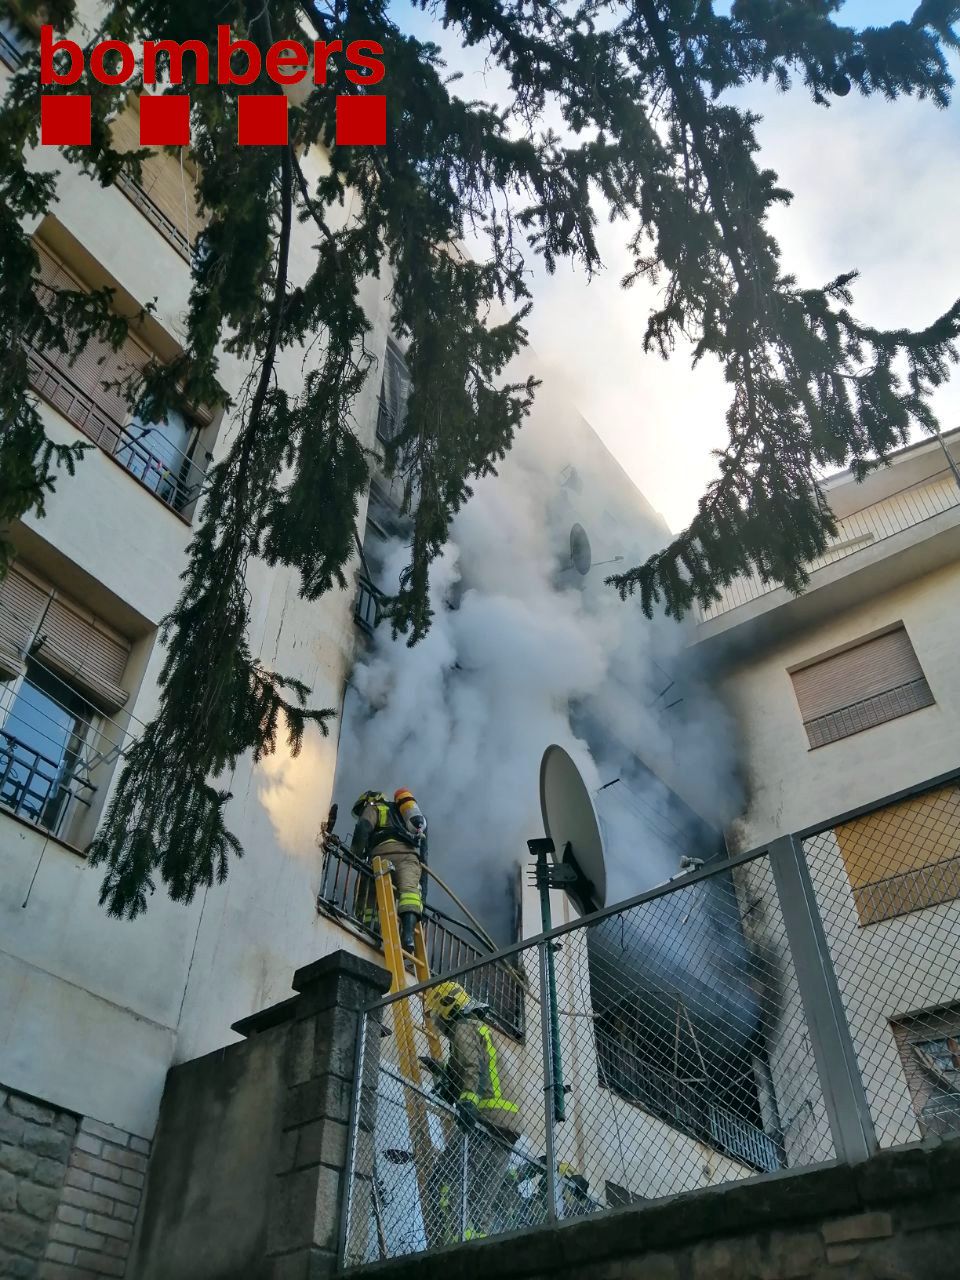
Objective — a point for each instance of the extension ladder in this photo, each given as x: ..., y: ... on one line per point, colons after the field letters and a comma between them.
x: 403, y: 1023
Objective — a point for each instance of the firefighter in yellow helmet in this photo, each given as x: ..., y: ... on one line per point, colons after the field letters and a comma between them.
x: 487, y: 1117
x: 397, y: 832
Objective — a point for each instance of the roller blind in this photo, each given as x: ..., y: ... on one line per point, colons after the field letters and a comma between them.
x: 875, y: 681
x: 63, y: 636
x: 21, y: 607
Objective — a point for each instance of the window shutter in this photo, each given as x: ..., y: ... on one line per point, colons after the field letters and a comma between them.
x: 21, y: 607
x: 867, y: 685
x: 80, y: 649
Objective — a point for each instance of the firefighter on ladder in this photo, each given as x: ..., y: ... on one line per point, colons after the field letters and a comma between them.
x: 488, y: 1120
x: 397, y: 832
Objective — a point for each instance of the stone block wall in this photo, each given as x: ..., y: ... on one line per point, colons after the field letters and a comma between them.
x: 35, y: 1145
x: 70, y: 1191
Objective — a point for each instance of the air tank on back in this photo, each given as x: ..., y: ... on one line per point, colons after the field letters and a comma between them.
x: 677, y: 966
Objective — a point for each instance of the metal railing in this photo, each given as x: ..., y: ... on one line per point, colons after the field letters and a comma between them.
x: 347, y: 894
x: 366, y: 608
x: 155, y: 215
x: 37, y: 787
x: 698, y: 1038
x: 175, y: 479
x: 901, y: 510
x: 53, y: 756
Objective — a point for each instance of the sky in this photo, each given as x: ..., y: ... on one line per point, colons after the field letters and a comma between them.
x: 876, y: 188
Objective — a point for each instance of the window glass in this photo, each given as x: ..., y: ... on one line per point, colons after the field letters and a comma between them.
x: 40, y: 744
x: 156, y: 453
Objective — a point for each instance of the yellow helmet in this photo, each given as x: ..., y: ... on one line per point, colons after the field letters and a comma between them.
x: 446, y: 1000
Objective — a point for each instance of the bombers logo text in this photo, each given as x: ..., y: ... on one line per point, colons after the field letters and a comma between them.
x: 165, y: 119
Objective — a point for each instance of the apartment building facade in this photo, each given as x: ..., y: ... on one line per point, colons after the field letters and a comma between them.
x: 847, y: 699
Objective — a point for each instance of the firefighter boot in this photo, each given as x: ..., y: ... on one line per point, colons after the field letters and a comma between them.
x: 408, y: 922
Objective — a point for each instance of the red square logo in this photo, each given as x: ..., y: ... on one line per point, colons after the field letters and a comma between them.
x: 262, y: 120
x: 361, y: 121
x: 65, y: 120
x: 164, y: 122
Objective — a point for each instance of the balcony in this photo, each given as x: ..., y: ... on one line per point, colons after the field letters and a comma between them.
x: 155, y: 215
x: 347, y: 895
x: 173, y: 476
x: 908, y: 527
x: 366, y: 608
x: 55, y: 750
x: 902, y: 510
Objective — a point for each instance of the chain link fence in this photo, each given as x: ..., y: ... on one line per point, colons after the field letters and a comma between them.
x: 678, y: 1056
x: 887, y: 884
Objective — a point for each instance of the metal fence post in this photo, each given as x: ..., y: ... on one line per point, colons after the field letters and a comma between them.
x: 353, y: 1133
x: 846, y: 1103
x: 549, y: 1084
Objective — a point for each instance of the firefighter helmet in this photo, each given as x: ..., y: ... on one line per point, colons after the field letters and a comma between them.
x: 448, y: 1000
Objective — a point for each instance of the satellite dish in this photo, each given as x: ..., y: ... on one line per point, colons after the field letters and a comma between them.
x: 581, y: 556
x: 570, y: 821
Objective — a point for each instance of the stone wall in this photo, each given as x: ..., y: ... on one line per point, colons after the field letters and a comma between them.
x: 35, y: 1143
x: 70, y: 1190
x: 247, y: 1170
x: 894, y: 1217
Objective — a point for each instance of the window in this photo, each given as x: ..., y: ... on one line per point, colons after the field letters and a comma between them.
x: 904, y: 856
x: 60, y: 669
x: 394, y: 390
x: 929, y: 1047
x: 165, y: 457
x: 873, y: 681
x: 16, y: 41
x: 167, y: 191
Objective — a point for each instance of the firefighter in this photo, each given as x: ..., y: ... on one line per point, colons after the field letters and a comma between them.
x: 489, y: 1121
x: 397, y: 832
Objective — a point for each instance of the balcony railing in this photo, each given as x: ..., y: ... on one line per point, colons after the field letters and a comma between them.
x: 366, y: 609
x: 155, y: 215
x: 176, y: 479
x: 904, y: 509
x: 347, y: 894
x: 37, y: 787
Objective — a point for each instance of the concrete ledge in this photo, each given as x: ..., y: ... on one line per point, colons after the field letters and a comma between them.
x: 843, y: 1209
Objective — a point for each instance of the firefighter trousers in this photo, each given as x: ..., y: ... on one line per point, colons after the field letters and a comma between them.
x: 451, y: 1216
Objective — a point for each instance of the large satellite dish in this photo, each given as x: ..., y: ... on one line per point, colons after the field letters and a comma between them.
x: 570, y: 821
x: 581, y: 557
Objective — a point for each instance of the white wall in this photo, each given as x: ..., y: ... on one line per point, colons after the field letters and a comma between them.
x: 93, y: 1010
x: 791, y: 787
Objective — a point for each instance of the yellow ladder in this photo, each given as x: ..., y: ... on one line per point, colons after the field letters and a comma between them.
x: 403, y: 1023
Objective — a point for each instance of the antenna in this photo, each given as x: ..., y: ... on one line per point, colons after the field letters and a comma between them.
x: 570, y: 821
x: 581, y: 555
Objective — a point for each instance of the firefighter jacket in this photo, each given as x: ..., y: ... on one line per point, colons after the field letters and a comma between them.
x: 380, y: 829
x: 473, y: 1075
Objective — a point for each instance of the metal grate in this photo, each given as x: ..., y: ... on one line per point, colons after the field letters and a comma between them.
x: 888, y: 887
x: 347, y: 894
x: 679, y: 1058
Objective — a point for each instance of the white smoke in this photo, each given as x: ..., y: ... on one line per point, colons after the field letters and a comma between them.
x: 524, y: 652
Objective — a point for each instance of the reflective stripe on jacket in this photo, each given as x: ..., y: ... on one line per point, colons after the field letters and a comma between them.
x: 474, y: 1073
